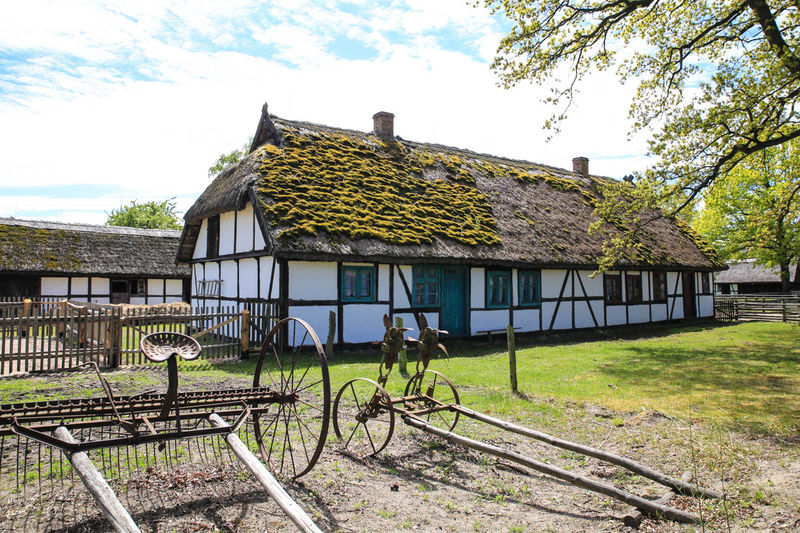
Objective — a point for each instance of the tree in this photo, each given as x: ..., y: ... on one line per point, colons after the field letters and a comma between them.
x: 149, y: 215
x: 229, y: 158
x: 755, y: 212
x: 719, y: 80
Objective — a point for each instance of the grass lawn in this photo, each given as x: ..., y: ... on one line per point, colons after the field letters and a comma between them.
x: 745, y: 375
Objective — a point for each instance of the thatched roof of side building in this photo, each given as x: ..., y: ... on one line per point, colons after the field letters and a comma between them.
x: 330, y: 193
x: 39, y: 247
x: 748, y: 271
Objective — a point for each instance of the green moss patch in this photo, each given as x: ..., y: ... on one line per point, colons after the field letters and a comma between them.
x: 46, y: 249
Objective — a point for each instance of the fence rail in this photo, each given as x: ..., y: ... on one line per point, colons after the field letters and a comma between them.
x: 769, y: 308
x: 50, y: 335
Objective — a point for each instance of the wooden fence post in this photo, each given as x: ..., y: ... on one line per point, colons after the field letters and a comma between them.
x: 23, y: 320
x: 331, y: 334
x: 245, y: 330
x: 115, y: 337
x: 512, y: 357
x: 402, y: 357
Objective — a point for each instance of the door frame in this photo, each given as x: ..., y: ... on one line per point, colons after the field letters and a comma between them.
x: 467, y: 272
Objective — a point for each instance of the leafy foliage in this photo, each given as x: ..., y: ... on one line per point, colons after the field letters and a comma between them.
x: 755, y: 212
x: 227, y: 159
x: 148, y: 215
x: 718, y: 79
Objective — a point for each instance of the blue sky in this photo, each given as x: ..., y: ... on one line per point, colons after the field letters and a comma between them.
x: 104, y: 102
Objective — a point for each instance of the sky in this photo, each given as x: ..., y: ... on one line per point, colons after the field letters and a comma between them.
x: 104, y: 102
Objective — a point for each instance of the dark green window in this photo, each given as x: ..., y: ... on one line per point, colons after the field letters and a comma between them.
x: 498, y: 288
x: 358, y: 283
x: 426, y: 286
x: 530, y: 282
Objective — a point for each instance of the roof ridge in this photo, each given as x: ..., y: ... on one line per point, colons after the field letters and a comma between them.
x: 90, y: 228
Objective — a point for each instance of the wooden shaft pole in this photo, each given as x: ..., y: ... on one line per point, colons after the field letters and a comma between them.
x: 646, y: 506
x: 245, y: 333
x: 331, y: 334
x: 402, y: 356
x: 257, y: 468
x: 116, y: 514
x: 512, y: 357
x: 634, y: 519
x: 677, y: 485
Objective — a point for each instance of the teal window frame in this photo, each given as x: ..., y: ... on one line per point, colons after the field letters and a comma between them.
x: 426, y: 276
x: 360, y: 272
x: 536, y: 275
x: 491, y: 279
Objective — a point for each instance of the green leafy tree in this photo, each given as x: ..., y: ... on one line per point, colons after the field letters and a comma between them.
x: 718, y: 80
x: 148, y: 215
x: 227, y: 159
x: 755, y: 212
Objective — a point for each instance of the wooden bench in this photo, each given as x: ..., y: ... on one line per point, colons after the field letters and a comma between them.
x: 490, y: 332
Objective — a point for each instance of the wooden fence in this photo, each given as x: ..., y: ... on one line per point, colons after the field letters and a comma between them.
x: 50, y: 335
x: 770, y: 308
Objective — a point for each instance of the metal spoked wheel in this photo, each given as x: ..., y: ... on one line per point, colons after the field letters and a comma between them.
x: 362, y: 417
x: 292, y: 431
x: 432, y: 385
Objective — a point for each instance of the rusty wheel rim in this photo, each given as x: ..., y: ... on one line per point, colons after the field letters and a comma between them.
x: 432, y: 385
x: 292, y: 432
x: 363, y: 419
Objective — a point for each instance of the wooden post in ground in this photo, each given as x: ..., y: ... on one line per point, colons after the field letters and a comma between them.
x: 120, y: 520
x: 331, y: 334
x: 512, y: 357
x: 275, y: 490
x: 23, y: 320
x: 245, y: 331
x: 402, y: 357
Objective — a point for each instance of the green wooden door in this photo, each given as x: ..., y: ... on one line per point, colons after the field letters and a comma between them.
x: 454, y: 300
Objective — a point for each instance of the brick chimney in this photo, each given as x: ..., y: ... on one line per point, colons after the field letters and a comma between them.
x: 580, y: 165
x: 383, y: 124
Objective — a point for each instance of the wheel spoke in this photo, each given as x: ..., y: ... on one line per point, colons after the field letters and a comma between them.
x: 308, y: 386
x: 310, y: 405
x: 300, y: 426
x: 366, y: 429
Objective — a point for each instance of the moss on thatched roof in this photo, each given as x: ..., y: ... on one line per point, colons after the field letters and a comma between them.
x: 52, y: 247
x: 324, y: 192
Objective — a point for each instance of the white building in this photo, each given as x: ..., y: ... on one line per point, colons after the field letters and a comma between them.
x: 319, y: 219
x: 100, y: 264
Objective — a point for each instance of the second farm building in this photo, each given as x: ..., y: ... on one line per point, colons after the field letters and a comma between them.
x: 318, y: 219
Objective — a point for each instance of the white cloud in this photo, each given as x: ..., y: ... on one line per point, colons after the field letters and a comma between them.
x: 157, y: 138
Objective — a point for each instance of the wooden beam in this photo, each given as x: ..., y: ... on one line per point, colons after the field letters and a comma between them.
x: 116, y: 514
x: 275, y: 490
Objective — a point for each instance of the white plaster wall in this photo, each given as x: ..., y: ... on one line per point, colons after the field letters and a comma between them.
x: 211, y: 271
x: 638, y: 314
x: 672, y: 277
x: 564, y: 317
x: 483, y: 320
x: 363, y: 322
x: 583, y: 318
x: 526, y: 319
x: 175, y: 287
x: 400, y: 296
x: 593, y: 286
x: 80, y: 285
x: 597, y: 307
x: 615, y: 315
x: 155, y: 287
x: 706, y: 307
x: 265, y: 264
x: 551, y: 284
x: 647, y: 285
x: 173, y: 299
x: 137, y: 300
x: 54, y: 286
x: 248, y: 278
x: 477, y: 288
x: 226, y: 231
x: 244, y: 229
x: 260, y: 244
x: 310, y: 280
x: 659, y: 312
x: 100, y: 286
x: 102, y: 300
x: 383, y: 283
x: 317, y: 318
x: 432, y: 318
x: 228, y: 277
x: 202, y: 241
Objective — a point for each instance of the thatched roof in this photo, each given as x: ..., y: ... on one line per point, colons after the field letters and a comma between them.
x: 749, y: 272
x: 41, y: 247
x: 325, y: 193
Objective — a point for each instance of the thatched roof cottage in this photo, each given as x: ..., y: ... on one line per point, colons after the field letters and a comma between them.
x: 102, y: 264
x: 318, y: 218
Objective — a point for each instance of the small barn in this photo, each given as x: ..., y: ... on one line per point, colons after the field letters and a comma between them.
x: 101, y: 264
x: 747, y: 277
x: 318, y: 219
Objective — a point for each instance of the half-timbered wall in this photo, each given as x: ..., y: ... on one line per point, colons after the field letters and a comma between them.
x: 569, y: 299
x: 98, y: 289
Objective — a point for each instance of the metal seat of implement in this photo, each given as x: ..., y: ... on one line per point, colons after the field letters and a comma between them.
x: 141, y: 418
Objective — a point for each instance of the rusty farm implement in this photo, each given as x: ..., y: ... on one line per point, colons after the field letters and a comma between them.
x: 284, y: 416
x: 364, y: 420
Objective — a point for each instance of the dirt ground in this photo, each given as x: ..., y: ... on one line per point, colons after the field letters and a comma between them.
x: 420, y: 483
